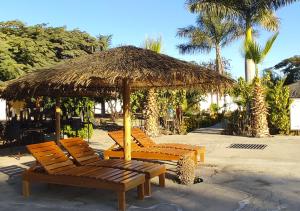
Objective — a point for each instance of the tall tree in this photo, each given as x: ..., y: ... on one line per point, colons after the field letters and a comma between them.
x: 259, y: 109
x: 291, y: 69
x: 249, y: 12
x: 212, y: 32
x: 23, y: 48
x: 152, y: 112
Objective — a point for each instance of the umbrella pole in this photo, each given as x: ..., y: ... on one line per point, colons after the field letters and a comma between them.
x: 57, y: 119
x: 126, y: 119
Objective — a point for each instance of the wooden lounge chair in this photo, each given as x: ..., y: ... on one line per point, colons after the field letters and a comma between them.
x: 145, y: 141
x: 56, y: 168
x: 84, y: 155
x: 145, y: 153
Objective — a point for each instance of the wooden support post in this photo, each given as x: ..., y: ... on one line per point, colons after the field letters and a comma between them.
x: 25, y: 187
x: 121, y: 201
x: 147, y: 185
x: 126, y: 119
x: 162, y: 180
x: 141, y: 192
x: 57, y: 119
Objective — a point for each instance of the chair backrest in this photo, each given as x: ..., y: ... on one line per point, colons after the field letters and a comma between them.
x: 142, y: 138
x: 79, y: 150
x: 50, y: 157
x: 118, y: 137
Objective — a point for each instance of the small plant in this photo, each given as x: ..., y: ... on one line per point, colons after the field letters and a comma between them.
x: 186, y: 170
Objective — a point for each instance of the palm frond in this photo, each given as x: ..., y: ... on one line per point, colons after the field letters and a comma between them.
x: 269, y: 45
x: 153, y: 44
x: 276, y: 4
x: 267, y: 19
x: 253, y: 51
x: 192, y: 48
x: 221, y: 8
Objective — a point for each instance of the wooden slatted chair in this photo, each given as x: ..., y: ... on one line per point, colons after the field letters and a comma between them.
x: 85, y: 155
x: 145, y: 141
x: 56, y: 168
x: 145, y: 153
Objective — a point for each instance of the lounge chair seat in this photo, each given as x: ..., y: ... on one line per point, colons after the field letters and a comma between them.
x: 85, y: 155
x: 145, y: 141
x: 55, y: 167
x: 145, y: 153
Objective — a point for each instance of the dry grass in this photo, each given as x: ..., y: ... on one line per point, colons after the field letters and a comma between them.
x: 102, y: 72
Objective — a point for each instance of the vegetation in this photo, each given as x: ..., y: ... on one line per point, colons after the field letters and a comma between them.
x: 23, y: 48
x: 212, y: 32
x: 291, y: 69
x: 258, y: 106
x: 278, y: 99
x: 250, y: 13
x: 152, y: 113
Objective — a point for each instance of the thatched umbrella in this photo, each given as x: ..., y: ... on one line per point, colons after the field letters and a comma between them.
x: 119, y: 69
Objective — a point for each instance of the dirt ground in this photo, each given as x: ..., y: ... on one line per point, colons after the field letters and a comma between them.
x: 232, y: 179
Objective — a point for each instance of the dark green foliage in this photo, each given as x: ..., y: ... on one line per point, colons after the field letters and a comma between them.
x: 291, y: 68
x: 23, y: 48
x: 78, y: 107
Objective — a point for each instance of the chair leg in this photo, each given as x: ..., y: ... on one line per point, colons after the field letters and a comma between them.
x: 140, y: 190
x: 162, y: 180
x: 121, y: 201
x: 25, y: 187
x: 147, y: 185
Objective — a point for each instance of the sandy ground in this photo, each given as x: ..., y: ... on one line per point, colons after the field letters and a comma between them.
x: 233, y: 179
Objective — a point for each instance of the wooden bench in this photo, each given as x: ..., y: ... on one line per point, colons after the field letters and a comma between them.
x: 83, y: 154
x: 57, y: 168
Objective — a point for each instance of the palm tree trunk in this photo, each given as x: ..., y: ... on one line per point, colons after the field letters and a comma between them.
x: 219, y: 63
x: 151, y: 123
x: 219, y: 67
x: 249, y: 64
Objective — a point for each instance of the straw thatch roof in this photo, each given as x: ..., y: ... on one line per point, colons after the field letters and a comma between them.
x: 102, y: 72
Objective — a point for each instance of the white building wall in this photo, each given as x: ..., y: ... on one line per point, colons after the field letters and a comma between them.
x: 2, y: 109
x: 223, y: 101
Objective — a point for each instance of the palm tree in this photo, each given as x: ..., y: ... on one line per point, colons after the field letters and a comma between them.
x: 104, y: 42
x: 248, y: 12
x: 212, y: 32
x: 259, y: 109
x: 152, y: 113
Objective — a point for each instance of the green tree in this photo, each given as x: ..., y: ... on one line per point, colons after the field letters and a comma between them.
x: 212, y: 32
x: 249, y: 12
x: 291, y: 69
x: 259, y: 109
x: 24, y: 48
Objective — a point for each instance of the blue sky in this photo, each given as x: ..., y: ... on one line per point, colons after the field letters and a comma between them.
x: 131, y: 21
